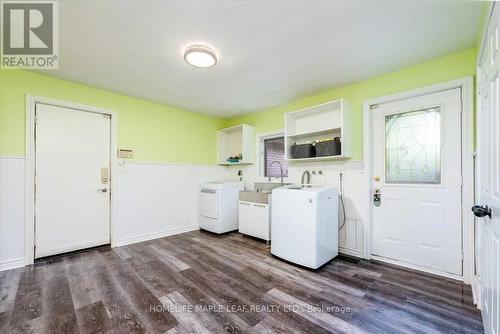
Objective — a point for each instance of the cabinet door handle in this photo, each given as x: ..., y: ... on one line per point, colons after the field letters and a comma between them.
x: 244, y: 203
x: 261, y: 205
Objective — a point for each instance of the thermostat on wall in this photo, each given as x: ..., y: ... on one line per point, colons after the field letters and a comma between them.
x: 125, y: 154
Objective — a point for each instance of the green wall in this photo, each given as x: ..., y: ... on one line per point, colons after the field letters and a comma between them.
x: 451, y: 67
x: 159, y: 133
x: 156, y: 132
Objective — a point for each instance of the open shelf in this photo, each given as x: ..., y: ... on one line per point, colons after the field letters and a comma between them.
x: 227, y: 163
x: 330, y: 157
x: 233, y: 141
x: 322, y: 122
x: 314, y: 133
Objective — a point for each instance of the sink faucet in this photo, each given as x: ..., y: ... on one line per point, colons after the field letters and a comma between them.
x: 281, y: 170
x: 308, y: 174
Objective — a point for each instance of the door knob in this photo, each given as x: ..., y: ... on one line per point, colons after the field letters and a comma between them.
x: 481, y: 211
x: 103, y: 190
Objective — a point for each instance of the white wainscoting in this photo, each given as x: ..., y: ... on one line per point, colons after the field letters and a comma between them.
x: 351, y: 236
x: 152, y: 201
x: 156, y: 200
x: 11, y: 212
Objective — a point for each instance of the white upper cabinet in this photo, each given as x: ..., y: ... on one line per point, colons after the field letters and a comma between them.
x: 320, y: 123
x: 236, y: 141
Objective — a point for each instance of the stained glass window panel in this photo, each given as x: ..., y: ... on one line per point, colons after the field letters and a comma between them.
x: 413, y: 147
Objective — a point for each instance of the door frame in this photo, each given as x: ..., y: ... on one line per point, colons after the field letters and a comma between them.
x: 476, y: 281
x: 31, y: 101
x: 466, y: 84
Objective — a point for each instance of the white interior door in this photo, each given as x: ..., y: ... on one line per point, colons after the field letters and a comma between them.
x: 417, y: 173
x: 488, y: 147
x: 72, y: 197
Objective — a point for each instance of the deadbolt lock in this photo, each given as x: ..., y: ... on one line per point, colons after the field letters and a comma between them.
x: 376, y: 197
x: 377, y: 178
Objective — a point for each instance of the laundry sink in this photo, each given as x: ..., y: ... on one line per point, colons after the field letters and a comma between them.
x: 302, y: 186
x: 255, y: 197
x: 262, y: 192
x: 267, y: 187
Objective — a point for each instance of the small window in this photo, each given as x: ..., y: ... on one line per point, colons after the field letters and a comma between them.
x: 274, y: 150
x: 413, y: 147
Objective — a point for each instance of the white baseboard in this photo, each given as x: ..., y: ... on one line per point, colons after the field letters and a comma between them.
x: 351, y: 252
x: 12, y: 264
x: 156, y: 235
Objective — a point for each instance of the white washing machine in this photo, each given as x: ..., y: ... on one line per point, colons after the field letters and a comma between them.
x: 219, y: 206
x: 304, y: 226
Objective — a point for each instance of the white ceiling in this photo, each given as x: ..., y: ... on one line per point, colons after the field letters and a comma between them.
x: 270, y: 52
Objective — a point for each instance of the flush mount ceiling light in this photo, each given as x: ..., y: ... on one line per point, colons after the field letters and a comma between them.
x: 200, y: 56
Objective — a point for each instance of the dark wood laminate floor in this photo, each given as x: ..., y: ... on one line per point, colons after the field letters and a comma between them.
x: 201, y: 283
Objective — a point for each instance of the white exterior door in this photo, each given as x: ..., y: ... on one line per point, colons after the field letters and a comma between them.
x: 72, y: 193
x: 488, y: 148
x: 417, y: 176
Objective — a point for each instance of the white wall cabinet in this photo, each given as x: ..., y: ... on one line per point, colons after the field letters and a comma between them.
x: 234, y: 141
x: 255, y: 220
x: 324, y: 121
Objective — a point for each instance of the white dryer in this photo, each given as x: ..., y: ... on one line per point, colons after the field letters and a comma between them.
x: 219, y: 206
x: 304, y: 226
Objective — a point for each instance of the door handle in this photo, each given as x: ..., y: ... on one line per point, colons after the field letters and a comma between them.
x: 376, y: 197
x: 103, y: 190
x: 481, y: 211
